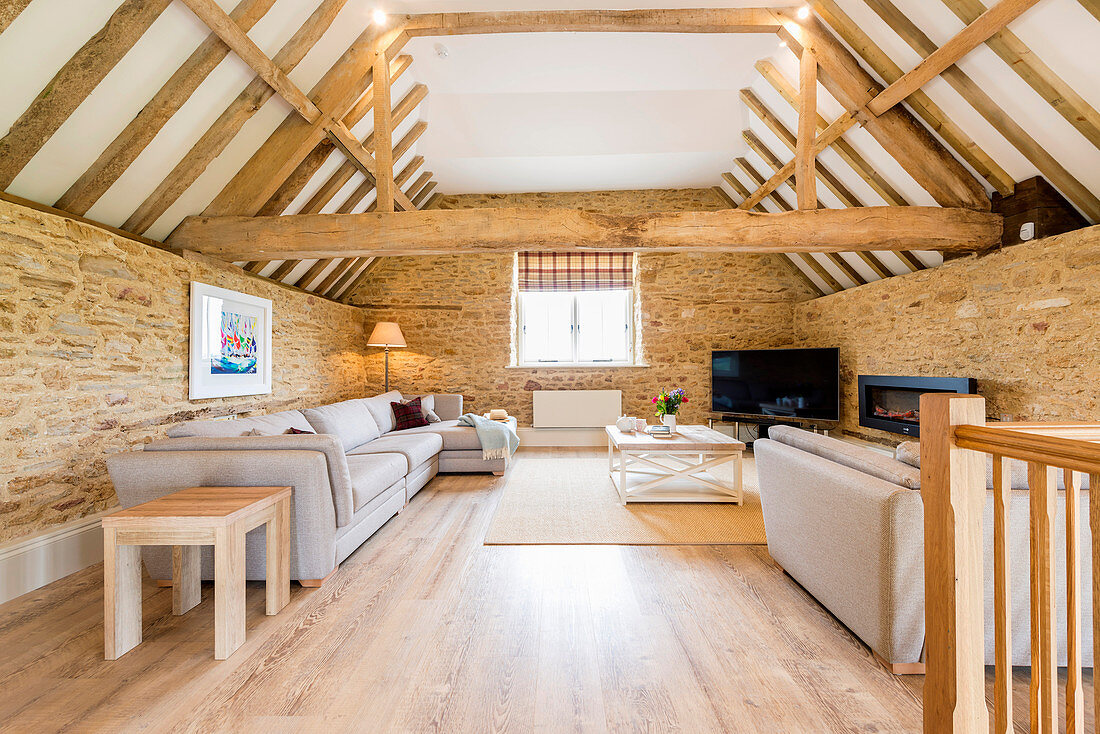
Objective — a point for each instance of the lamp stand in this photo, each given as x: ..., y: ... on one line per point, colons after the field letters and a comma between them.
x: 387, y: 370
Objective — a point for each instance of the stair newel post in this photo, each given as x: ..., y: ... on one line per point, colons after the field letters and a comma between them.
x: 953, y: 494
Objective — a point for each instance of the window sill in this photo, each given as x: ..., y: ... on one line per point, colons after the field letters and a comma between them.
x: 576, y: 365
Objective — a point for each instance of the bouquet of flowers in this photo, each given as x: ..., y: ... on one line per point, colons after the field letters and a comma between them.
x: 668, y: 402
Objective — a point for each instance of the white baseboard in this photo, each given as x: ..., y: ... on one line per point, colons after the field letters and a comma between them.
x: 32, y: 562
x: 562, y: 436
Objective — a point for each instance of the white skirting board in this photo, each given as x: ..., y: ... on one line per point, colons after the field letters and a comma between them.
x: 30, y: 563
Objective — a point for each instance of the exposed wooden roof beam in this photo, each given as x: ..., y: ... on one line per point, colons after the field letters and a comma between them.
x: 334, y: 275
x: 351, y: 273
x: 824, y: 139
x: 806, y: 257
x: 690, y: 20
x: 10, y: 10
x: 288, y: 191
x: 424, y: 192
x: 972, y: 92
x: 418, y: 186
x: 1032, y: 70
x: 335, y: 94
x: 218, y: 136
x: 920, y: 102
x: 217, y: 20
x: 508, y: 230
x: 435, y: 201
x: 842, y: 147
x: 73, y: 83
x: 382, y: 135
x: 962, y: 43
x: 362, y: 277
x: 1093, y: 6
x: 805, y: 159
x: 918, y: 152
x: 128, y: 144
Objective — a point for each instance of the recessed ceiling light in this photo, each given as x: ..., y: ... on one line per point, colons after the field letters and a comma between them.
x: 782, y: 44
x: 804, y: 12
x: 378, y: 16
x: 441, y: 51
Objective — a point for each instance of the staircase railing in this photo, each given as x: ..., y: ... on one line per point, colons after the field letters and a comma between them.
x: 954, y: 441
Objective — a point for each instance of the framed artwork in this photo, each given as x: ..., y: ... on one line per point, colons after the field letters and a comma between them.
x: 230, y: 343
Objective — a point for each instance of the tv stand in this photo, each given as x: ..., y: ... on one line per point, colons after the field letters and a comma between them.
x: 763, y: 425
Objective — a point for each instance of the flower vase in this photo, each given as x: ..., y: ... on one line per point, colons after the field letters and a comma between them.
x: 669, y: 419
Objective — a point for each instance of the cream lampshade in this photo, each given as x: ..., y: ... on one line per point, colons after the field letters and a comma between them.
x: 386, y: 334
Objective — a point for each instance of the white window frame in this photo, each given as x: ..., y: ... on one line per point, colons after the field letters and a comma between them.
x: 574, y: 336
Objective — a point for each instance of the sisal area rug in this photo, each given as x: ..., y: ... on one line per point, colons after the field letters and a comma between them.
x: 555, y: 500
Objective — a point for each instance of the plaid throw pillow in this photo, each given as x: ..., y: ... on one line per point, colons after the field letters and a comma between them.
x: 408, y: 415
x: 298, y: 431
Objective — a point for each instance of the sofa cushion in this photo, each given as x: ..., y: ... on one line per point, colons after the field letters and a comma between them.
x: 379, y: 407
x: 272, y: 424
x: 416, y: 447
x: 856, y: 457
x: 372, y: 474
x: 408, y: 415
x: 456, y: 437
x: 350, y: 421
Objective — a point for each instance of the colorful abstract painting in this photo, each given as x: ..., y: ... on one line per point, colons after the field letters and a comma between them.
x: 238, y: 346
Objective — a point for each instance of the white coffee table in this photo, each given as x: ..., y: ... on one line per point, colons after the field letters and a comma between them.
x: 645, y: 468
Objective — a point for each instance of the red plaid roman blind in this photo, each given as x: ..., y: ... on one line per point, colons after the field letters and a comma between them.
x: 576, y: 271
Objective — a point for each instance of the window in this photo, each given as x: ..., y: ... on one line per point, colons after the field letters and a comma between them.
x: 576, y: 308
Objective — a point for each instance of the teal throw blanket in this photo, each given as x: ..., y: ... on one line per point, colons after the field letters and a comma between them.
x: 498, y: 440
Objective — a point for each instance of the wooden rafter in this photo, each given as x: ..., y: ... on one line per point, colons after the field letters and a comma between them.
x: 842, y: 147
x: 911, y: 145
x: 806, y: 257
x: 507, y: 230
x: 920, y: 102
x: 944, y: 57
x: 210, y: 145
x: 128, y: 144
x: 436, y: 201
x: 10, y: 10
x: 690, y: 20
x: 288, y: 191
x: 424, y: 192
x: 1093, y: 6
x: 1032, y: 70
x: 1012, y: 131
x: 805, y: 158
x: 294, y: 139
x: 362, y: 277
x: 73, y: 83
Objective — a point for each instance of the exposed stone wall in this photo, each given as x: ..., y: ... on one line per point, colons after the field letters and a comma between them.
x: 93, y: 358
x: 457, y: 314
x: 1023, y: 321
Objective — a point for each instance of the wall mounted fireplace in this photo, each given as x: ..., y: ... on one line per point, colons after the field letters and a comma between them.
x: 891, y: 403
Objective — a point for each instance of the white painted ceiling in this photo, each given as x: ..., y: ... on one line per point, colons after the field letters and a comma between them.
x: 530, y: 112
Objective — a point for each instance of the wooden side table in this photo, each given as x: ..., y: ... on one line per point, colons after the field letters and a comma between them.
x: 185, y: 520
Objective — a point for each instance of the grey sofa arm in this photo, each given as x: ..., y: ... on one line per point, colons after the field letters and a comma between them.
x: 339, y: 479
x: 140, y: 476
x: 854, y: 541
x: 448, y: 406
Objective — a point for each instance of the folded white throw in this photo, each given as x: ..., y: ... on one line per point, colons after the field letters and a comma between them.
x: 498, y: 440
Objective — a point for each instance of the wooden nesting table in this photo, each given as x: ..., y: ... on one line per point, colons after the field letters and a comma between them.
x: 186, y: 520
x: 674, y: 469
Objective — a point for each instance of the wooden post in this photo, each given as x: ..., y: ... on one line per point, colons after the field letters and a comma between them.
x: 383, y: 156
x: 805, y: 174
x: 953, y: 493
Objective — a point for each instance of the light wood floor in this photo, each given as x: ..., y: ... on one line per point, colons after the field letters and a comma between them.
x: 424, y: 629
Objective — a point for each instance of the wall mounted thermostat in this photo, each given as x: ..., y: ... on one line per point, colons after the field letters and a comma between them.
x: 1027, y: 231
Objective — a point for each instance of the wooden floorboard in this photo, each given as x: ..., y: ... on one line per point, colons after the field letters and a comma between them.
x: 425, y: 629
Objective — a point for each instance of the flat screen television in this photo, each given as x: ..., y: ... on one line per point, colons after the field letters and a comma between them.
x: 785, y: 384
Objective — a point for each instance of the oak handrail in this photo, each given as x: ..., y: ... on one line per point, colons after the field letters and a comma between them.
x: 1028, y: 445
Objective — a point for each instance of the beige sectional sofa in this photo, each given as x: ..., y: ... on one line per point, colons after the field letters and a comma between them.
x: 847, y: 523
x: 351, y: 472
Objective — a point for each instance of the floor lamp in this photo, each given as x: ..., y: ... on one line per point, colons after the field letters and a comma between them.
x: 387, y: 334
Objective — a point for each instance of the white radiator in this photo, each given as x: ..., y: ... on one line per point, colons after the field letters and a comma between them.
x: 576, y: 408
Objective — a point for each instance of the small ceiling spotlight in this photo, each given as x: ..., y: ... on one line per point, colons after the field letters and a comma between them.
x: 378, y: 16
x: 441, y: 51
x: 803, y: 12
x: 782, y: 44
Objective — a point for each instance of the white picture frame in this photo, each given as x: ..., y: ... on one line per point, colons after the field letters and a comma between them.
x: 230, y: 349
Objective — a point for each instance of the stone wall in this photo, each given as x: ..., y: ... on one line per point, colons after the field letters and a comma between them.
x: 1023, y: 321
x: 93, y: 358
x: 457, y: 314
